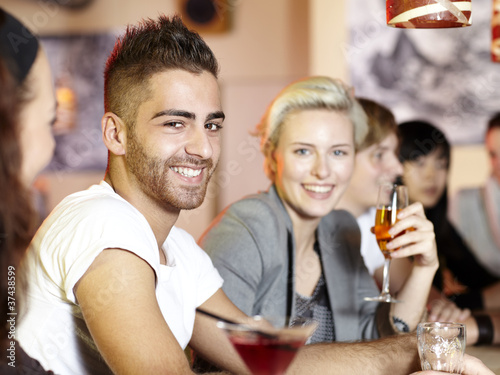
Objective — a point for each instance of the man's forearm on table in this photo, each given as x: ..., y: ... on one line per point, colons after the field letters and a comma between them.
x: 395, y: 355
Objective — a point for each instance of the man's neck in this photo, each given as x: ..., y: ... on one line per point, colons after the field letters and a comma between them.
x: 160, y: 218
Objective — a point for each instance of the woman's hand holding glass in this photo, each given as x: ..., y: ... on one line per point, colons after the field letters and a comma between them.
x: 417, y: 240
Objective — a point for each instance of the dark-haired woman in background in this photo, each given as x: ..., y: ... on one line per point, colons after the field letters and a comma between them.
x: 425, y: 154
x: 27, y: 111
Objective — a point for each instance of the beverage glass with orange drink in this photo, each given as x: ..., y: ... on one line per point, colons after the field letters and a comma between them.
x: 392, y: 198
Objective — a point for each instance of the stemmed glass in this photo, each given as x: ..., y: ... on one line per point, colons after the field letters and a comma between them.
x: 267, y: 345
x: 392, y: 198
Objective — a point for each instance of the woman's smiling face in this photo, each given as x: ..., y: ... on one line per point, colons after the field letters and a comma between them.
x: 313, y: 161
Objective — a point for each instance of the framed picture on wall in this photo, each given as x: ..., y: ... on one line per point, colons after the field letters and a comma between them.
x: 78, y: 63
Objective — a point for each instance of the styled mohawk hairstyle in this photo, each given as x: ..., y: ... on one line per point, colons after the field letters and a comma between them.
x: 151, y: 47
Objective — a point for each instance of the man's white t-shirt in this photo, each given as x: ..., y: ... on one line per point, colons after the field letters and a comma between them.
x: 85, y: 223
x: 370, y: 251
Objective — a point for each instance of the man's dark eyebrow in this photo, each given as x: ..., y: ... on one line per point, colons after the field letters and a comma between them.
x: 175, y: 112
x: 188, y: 115
x: 216, y: 115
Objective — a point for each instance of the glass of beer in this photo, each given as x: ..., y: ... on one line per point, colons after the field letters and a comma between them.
x: 392, y: 198
x: 428, y: 14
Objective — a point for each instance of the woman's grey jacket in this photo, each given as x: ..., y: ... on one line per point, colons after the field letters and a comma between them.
x: 252, y: 245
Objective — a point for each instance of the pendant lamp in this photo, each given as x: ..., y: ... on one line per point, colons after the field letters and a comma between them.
x: 428, y: 14
x: 495, y: 32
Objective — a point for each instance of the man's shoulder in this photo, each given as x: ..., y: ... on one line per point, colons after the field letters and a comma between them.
x: 95, y: 200
x: 467, y: 196
x: 469, y: 192
x: 91, y: 209
x: 182, y: 245
x: 180, y: 235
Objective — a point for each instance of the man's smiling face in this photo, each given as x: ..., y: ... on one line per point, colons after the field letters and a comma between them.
x: 174, y: 146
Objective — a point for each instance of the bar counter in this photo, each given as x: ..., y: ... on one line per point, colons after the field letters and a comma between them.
x: 490, y: 355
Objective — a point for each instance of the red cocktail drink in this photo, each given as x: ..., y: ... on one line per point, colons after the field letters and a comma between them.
x: 495, y: 32
x: 268, y: 345
x: 266, y: 356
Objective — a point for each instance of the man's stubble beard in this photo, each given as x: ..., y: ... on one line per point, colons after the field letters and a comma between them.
x: 152, y: 175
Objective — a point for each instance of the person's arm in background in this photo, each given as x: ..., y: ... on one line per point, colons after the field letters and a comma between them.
x: 442, y: 309
x: 491, y: 297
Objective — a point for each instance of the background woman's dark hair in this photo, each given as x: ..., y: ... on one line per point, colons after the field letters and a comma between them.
x: 421, y: 138
x: 494, y: 122
x: 17, y: 219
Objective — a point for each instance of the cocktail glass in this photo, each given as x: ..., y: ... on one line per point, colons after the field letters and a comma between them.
x: 268, y: 345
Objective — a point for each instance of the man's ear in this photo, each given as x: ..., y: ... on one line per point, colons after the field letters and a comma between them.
x: 114, y: 133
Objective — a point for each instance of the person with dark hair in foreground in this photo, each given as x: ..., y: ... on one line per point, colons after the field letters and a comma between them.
x: 27, y: 112
x: 114, y: 283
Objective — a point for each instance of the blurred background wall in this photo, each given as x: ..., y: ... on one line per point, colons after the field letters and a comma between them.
x: 261, y: 45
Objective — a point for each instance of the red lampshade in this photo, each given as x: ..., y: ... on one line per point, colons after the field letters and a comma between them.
x: 495, y: 32
x: 428, y: 14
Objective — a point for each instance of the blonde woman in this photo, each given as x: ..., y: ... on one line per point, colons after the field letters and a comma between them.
x: 285, y: 252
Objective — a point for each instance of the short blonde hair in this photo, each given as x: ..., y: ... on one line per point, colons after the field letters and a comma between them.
x: 310, y: 93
